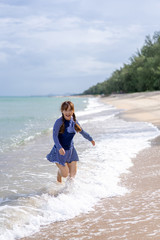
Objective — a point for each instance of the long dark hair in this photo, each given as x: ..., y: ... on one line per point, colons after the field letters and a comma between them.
x: 65, y: 105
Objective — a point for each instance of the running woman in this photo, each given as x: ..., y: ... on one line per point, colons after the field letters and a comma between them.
x: 63, y: 152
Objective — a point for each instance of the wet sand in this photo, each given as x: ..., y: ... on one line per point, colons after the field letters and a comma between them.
x: 135, y: 216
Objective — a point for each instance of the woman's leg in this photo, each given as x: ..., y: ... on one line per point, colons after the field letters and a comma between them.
x: 72, y: 168
x: 63, y: 171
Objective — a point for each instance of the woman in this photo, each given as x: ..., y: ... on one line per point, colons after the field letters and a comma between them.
x: 63, y: 153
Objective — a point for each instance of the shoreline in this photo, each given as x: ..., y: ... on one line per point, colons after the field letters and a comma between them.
x: 134, y: 215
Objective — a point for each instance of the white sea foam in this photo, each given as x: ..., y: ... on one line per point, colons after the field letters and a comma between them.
x: 93, y: 107
x: 99, y: 170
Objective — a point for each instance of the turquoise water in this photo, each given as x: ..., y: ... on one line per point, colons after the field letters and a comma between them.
x: 24, y: 118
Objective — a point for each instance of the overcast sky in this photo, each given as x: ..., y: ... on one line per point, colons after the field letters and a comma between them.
x: 67, y: 46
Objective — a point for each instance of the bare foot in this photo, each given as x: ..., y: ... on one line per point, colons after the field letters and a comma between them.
x: 59, y: 178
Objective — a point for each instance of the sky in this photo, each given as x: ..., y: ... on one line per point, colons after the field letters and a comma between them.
x: 66, y: 46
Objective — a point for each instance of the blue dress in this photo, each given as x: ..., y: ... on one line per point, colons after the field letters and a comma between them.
x: 65, y: 140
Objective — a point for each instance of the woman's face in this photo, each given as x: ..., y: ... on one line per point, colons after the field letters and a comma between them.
x: 68, y: 113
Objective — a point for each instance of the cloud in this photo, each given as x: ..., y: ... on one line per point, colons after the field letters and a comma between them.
x: 54, y: 48
x: 3, y: 57
x: 42, y: 34
x: 89, y: 65
x: 68, y: 39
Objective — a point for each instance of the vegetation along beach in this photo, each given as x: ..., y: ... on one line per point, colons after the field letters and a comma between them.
x: 141, y: 73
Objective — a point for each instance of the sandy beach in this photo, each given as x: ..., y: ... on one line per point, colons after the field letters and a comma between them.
x: 136, y: 215
x: 143, y: 106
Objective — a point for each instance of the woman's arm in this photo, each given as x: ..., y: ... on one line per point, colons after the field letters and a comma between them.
x: 86, y: 135
x: 56, y: 128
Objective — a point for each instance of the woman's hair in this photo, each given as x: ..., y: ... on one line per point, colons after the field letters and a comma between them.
x: 65, y: 105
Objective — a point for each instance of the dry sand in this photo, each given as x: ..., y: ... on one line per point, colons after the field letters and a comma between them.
x: 143, y: 106
x: 135, y: 216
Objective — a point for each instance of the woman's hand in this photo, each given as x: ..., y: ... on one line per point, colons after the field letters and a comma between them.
x: 93, y: 143
x: 61, y: 151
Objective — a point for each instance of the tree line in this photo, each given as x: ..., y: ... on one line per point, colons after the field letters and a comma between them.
x: 141, y: 74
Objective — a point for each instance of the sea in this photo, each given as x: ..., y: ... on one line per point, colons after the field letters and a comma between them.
x: 30, y: 196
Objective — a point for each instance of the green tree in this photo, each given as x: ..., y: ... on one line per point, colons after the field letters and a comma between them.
x: 141, y: 74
